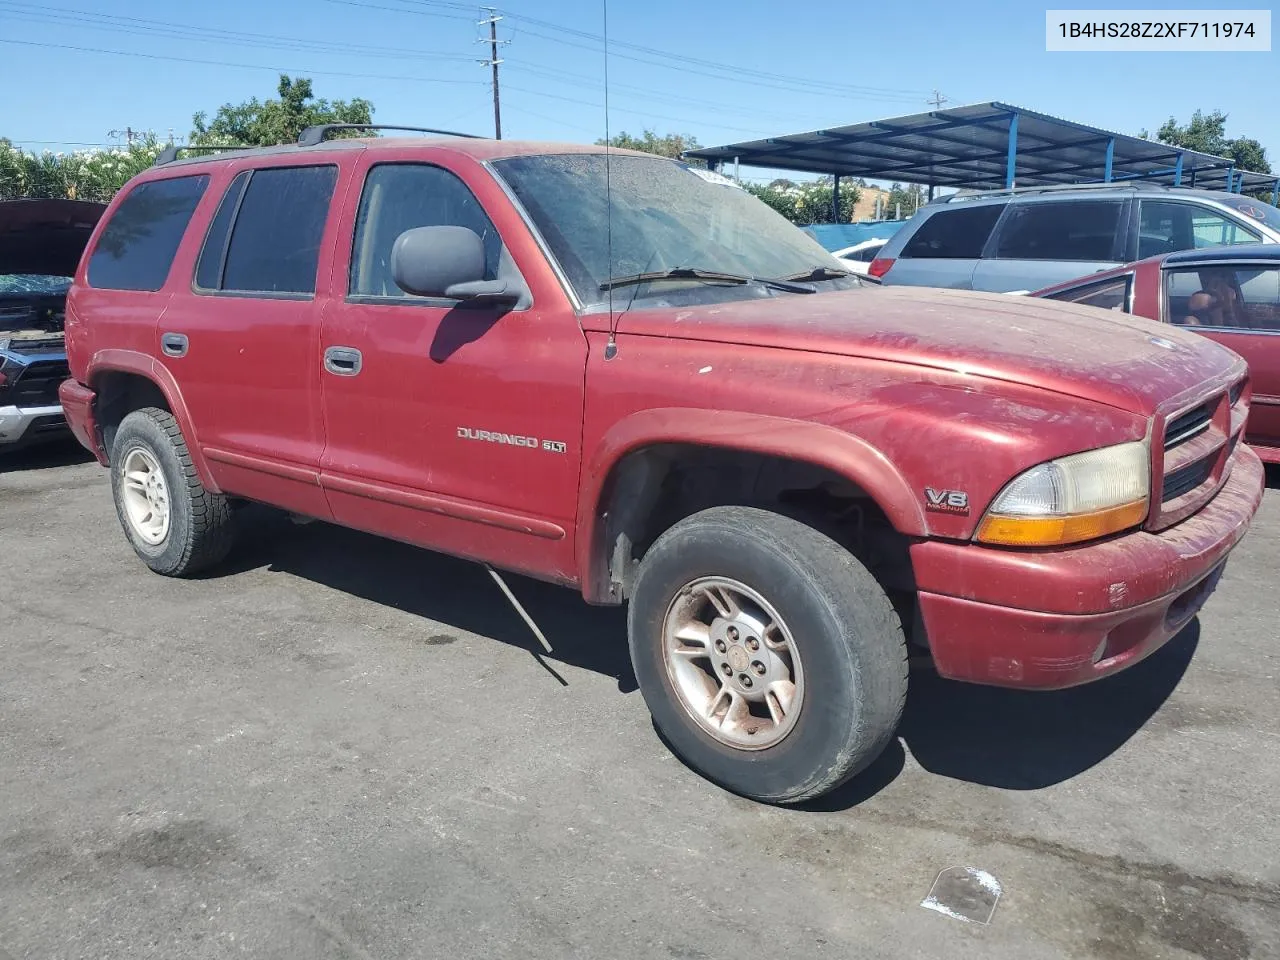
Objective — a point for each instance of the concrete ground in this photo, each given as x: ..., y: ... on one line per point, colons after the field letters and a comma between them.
x: 343, y: 747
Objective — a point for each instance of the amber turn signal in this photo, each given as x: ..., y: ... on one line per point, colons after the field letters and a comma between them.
x: 1057, y: 531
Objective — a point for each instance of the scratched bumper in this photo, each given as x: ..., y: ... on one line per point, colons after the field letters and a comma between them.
x: 77, y: 403
x: 1057, y: 618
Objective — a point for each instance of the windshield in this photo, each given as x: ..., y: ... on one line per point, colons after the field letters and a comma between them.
x: 1255, y: 209
x: 33, y: 283
x: 666, y: 215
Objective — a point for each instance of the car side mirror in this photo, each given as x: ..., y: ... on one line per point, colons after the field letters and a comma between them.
x: 447, y: 262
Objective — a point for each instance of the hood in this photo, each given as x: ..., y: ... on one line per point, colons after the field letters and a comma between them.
x: 1111, y: 358
x: 45, y: 236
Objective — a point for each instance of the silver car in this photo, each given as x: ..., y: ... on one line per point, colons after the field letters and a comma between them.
x: 1021, y: 240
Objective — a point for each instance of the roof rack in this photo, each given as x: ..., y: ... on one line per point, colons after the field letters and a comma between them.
x: 170, y: 153
x: 1055, y: 188
x: 312, y: 136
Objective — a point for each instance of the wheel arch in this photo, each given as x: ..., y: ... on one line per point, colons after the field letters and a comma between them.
x: 126, y: 380
x: 619, y: 478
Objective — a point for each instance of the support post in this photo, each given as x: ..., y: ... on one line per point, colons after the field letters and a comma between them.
x: 1194, y: 171
x: 1231, y: 178
x: 835, y: 198
x: 1177, y: 172
x: 1010, y: 166
x: 737, y: 169
x: 1111, y: 155
x: 1275, y: 193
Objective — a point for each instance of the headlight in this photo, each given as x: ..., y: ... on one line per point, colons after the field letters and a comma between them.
x: 1075, y: 498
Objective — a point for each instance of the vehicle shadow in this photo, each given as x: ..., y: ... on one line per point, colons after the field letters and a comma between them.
x: 440, y: 588
x: 44, y: 456
x: 1273, y: 475
x: 1009, y: 739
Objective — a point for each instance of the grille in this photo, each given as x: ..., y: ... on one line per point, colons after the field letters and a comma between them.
x: 1186, y: 479
x: 37, y: 385
x: 1188, y: 425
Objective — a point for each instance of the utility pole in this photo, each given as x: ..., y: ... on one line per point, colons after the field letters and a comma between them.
x: 128, y: 133
x: 493, y: 61
x: 938, y: 99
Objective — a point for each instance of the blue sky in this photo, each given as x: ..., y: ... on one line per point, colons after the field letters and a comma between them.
x: 791, y: 66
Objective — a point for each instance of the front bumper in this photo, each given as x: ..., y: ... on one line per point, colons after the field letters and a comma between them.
x: 20, y: 426
x: 1057, y: 618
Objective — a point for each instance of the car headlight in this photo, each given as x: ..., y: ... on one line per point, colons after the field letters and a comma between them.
x: 1080, y: 497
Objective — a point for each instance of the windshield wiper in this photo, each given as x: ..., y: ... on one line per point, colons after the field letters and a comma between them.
x: 711, y: 276
x: 817, y: 273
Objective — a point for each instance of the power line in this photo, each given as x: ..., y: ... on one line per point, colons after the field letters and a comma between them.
x: 938, y: 99
x: 493, y: 20
x: 246, y: 66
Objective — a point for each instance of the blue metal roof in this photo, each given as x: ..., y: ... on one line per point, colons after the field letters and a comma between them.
x: 984, y: 146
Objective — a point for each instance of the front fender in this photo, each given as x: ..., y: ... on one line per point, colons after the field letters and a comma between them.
x: 815, y: 443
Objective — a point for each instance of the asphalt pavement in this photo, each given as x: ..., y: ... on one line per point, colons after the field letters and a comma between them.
x: 340, y: 747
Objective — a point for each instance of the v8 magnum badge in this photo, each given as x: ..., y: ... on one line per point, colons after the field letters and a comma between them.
x: 946, y: 501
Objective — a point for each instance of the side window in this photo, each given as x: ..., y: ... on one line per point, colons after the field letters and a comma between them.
x: 1060, y: 230
x: 137, y: 247
x: 399, y: 197
x: 958, y: 234
x: 1225, y: 297
x: 214, y: 251
x: 1166, y: 226
x: 275, y: 240
x: 1112, y: 294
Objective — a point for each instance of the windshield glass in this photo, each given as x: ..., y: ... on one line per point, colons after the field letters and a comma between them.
x: 1255, y: 209
x: 33, y: 283
x: 666, y: 215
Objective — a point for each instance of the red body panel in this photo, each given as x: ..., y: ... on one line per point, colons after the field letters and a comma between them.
x: 1260, y: 350
x: 896, y: 389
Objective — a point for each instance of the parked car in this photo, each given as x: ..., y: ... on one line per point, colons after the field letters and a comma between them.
x: 40, y: 245
x: 787, y: 474
x: 859, y: 256
x: 1228, y: 294
x: 1027, y: 239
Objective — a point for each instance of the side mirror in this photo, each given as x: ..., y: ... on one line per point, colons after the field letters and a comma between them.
x: 446, y: 262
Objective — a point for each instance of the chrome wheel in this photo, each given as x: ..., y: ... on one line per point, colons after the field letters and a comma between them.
x: 145, y: 495
x: 733, y: 663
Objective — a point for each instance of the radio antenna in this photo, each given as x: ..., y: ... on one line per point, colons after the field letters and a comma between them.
x: 611, y: 346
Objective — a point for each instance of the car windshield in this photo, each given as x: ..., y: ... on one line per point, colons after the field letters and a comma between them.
x: 33, y: 283
x: 1258, y: 210
x: 666, y: 215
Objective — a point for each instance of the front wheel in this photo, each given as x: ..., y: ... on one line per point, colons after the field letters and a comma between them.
x: 772, y: 662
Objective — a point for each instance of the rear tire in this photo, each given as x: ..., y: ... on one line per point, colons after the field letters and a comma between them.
x: 175, y: 525
x: 821, y: 665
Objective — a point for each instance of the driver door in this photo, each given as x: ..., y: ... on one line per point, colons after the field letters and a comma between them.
x: 452, y: 426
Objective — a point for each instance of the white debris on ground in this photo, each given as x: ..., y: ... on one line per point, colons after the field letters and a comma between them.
x: 964, y: 893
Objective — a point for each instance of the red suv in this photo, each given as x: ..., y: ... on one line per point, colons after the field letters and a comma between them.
x: 625, y: 375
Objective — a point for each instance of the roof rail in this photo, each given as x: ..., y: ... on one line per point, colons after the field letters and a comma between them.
x: 1057, y: 188
x: 319, y: 133
x: 170, y: 153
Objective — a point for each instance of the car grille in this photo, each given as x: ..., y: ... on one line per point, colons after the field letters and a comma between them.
x: 1197, y: 443
x: 36, y: 385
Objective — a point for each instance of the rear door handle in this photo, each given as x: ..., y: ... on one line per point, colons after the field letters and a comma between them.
x: 173, y: 344
x: 342, y: 361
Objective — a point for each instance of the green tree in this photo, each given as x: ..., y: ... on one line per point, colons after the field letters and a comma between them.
x: 1207, y: 133
x: 80, y: 175
x: 266, y: 123
x: 782, y: 200
x: 665, y: 145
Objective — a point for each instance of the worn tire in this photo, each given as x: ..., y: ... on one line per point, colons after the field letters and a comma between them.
x: 848, y: 637
x: 200, y: 533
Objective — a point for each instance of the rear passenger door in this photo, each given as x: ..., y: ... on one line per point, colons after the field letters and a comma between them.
x: 944, y: 249
x: 1043, y: 242
x: 244, y: 347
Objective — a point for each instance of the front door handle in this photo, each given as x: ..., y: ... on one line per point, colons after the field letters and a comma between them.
x: 173, y: 344
x: 342, y: 361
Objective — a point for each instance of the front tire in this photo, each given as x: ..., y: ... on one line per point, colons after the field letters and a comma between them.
x: 174, y: 524
x: 772, y: 662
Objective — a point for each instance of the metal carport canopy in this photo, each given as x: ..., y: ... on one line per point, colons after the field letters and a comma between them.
x: 987, y: 146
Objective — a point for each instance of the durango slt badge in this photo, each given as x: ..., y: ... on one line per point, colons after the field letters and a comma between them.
x: 511, y: 439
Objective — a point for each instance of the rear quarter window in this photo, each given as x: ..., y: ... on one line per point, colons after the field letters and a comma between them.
x: 138, y: 244
x: 958, y: 234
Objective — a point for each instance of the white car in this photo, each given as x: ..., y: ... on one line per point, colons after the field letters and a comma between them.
x: 858, y: 257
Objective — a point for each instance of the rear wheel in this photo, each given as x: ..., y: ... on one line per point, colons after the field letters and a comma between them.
x: 771, y: 660
x: 175, y: 525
